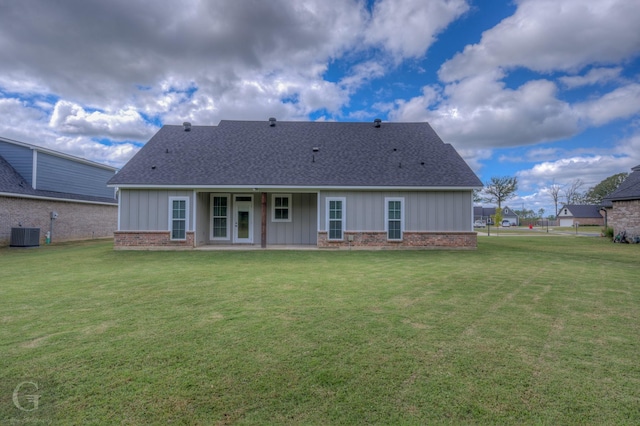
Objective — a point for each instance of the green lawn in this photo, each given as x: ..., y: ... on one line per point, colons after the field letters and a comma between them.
x: 523, y: 330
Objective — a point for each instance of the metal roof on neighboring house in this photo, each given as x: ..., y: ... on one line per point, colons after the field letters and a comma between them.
x: 305, y: 154
x: 13, y: 184
x: 629, y: 189
x: 583, y: 210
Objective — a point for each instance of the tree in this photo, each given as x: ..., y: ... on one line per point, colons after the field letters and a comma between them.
x: 500, y: 189
x: 554, y: 191
x: 595, y: 194
x: 476, y: 196
x: 540, y: 212
x: 497, y: 218
x: 572, y: 193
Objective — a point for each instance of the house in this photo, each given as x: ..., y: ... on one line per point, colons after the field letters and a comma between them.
x: 322, y: 184
x: 48, y: 191
x: 623, y: 205
x: 486, y: 214
x: 587, y: 214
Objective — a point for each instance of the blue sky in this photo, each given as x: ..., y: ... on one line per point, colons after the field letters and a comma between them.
x: 545, y: 90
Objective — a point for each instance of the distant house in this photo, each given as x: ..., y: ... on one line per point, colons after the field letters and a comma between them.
x: 623, y: 205
x: 570, y: 214
x: 322, y: 184
x: 485, y: 214
x: 37, y: 184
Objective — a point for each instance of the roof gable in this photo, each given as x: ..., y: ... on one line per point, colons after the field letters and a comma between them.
x: 583, y: 210
x: 246, y: 153
x: 507, y: 212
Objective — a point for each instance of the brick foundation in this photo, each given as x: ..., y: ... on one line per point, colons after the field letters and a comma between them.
x: 411, y: 240
x: 150, y: 240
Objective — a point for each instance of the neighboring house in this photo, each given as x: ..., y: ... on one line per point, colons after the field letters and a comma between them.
x: 36, y: 183
x: 485, y: 214
x: 587, y: 214
x: 623, y: 205
x: 322, y: 184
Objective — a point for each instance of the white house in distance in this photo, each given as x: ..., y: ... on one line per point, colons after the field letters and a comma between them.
x: 587, y: 214
x: 320, y: 184
x: 37, y: 184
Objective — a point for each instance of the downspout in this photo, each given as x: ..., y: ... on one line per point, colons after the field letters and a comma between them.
x: 263, y: 230
x: 193, y: 217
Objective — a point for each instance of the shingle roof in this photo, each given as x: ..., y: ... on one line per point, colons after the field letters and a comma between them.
x: 255, y: 153
x: 11, y: 182
x: 629, y: 189
x: 583, y: 210
x: 490, y: 211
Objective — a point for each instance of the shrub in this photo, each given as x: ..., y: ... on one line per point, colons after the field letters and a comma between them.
x: 607, y: 232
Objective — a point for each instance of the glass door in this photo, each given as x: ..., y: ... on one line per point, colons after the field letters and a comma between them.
x: 243, y: 224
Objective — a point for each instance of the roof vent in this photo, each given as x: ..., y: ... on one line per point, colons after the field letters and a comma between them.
x: 272, y: 121
x: 187, y: 126
x: 315, y: 149
x: 377, y: 122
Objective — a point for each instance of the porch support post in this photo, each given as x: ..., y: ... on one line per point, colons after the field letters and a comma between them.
x: 263, y: 233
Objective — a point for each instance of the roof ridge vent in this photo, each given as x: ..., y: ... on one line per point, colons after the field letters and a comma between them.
x: 272, y: 121
x: 187, y: 126
x: 377, y: 122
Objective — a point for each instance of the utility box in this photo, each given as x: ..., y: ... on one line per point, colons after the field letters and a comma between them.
x: 25, y: 237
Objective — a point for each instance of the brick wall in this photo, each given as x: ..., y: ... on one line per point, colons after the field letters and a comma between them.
x: 76, y: 221
x: 453, y: 240
x: 150, y: 240
x: 625, y: 216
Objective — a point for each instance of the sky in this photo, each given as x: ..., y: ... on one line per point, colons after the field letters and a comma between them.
x: 544, y: 90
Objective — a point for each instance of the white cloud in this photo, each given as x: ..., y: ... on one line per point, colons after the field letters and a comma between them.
x: 70, y: 118
x: 589, y: 169
x: 407, y: 28
x: 623, y: 102
x: 481, y: 112
x: 594, y: 76
x: 548, y: 35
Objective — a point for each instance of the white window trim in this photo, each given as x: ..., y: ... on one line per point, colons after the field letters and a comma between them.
x: 344, y: 216
x: 273, y: 207
x: 186, y: 217
x: 386, y: 217
x: 228, y: 237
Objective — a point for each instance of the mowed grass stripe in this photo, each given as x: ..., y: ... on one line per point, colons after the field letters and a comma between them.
x: 524, y: 329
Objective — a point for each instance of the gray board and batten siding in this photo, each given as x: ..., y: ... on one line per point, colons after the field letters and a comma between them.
x: 48, y: 171
x: 425, y: 211
x: 64, y: 175
x: 148, y: 210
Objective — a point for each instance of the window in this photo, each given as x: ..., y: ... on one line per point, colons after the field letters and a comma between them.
x: 335, y: 218
x: 219, y: 217
x: 394, y: 218
x: 178, y: 214
x: 281, y: 208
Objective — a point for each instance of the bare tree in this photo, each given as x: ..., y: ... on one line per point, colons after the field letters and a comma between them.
x: 500, y: 189
x: 554, y: 191
x: 572, y: 193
